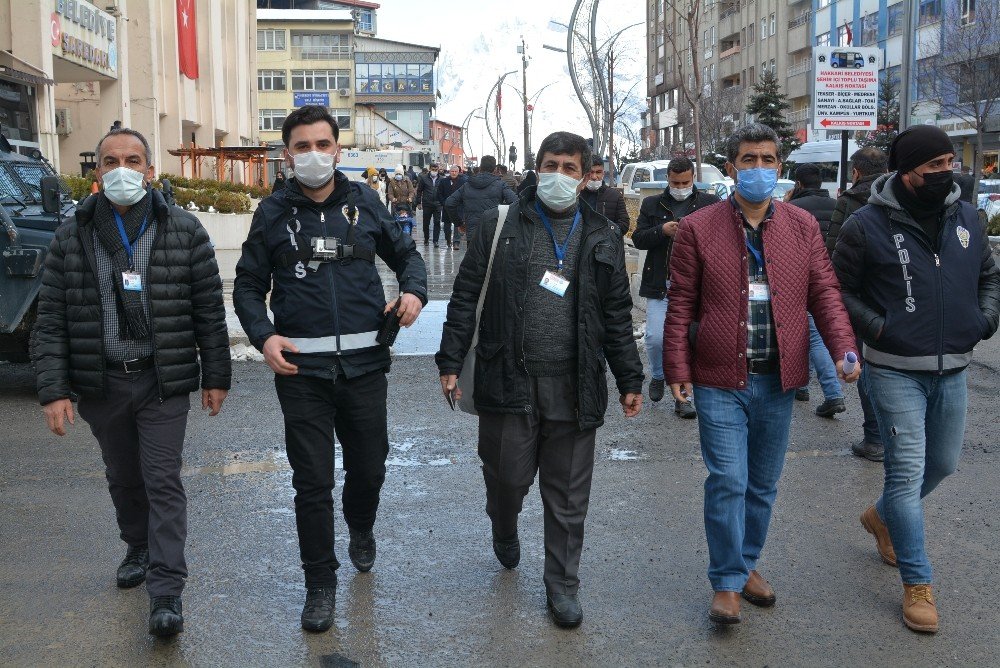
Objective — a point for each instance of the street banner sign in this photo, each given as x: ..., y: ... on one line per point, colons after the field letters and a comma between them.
x: 845, y: 96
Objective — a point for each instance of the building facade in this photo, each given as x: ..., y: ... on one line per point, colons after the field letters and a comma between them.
x: 176, y: 70
x: 448, y: 142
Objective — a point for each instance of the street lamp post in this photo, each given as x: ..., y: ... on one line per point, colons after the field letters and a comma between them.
x: 524, y: 101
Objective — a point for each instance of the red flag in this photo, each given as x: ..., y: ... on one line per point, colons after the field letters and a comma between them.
x: 499, y: 92
x: 187, y: 39
x: 850, y: 33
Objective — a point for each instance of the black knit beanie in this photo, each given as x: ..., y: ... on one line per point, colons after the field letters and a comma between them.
x: 916, y: 145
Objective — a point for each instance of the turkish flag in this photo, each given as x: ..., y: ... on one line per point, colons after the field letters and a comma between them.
x: 187, y: 39
x: 499, y: 99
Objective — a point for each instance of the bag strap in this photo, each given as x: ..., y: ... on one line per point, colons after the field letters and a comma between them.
x: 501, y: 219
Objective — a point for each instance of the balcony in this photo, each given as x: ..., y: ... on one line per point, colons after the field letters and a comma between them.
x: 800, y: 67
x: 732, y: 51
x: 321, y: 53
x: 799, y: 116
x: 800, y: 20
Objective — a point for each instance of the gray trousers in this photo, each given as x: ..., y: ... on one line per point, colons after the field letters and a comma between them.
x: 512, y: 448
x: 141, y: 441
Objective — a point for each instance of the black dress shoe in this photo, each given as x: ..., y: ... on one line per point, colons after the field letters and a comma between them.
x: 802, y: 394
x: 565, y: 609
x: 873, y: 452
x: 317, y: 613
x: 685, y: 409
x: 132, y: 571
x: 165, y: 616
x: 508, y: 552
x: 830, y: 407
x: 362, y: 550
x: 656, y: 387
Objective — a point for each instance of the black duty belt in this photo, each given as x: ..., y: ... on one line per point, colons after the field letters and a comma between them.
x: 344, y: 252
x: 762, y: 367
x: 132, y: 366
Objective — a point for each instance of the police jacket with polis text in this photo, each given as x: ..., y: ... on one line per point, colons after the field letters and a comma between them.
x: 333, y: 311
x: 918, y: 304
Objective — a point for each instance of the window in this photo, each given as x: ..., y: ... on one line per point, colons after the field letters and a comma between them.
x: 752, y: 79
x: 320, y: 79
x: 343, y: 118
x: 366, y: 20
x: 968, y: 12
x: 750, y: 34
x: 320, y: 46
x: 930, y: 11
x: 895, y: 21
x: 394, y: 79
x: 773, y: 67
x: 711, y: 73
x: 823, y: 40
x: 270, y: 79
x: 823, y: 3
x: 842, y: 36
x: 869, y: 29
x: 270, y: 119
x: 763, y: 29
x: 927, y: 78
x: 773, y: 25
x: 270, y: 40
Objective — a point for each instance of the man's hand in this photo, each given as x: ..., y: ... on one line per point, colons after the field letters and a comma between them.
x: 212, y: 399
x: 57, y: 413
x: 272, y: 355
x: 449, y: 385
x: 851, y: 378
x: 682, y: 391
x: 631, y: 403
x: 670, y: 228
x: 408, y: 310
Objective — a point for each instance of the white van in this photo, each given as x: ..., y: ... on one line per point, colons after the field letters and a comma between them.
x: 656, y: 170
x: 826, y: 155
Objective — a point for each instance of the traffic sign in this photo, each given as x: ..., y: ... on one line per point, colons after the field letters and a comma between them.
x: 845, y: 95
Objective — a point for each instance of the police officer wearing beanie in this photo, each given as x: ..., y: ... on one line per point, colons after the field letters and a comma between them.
x: 919, y: 281
x: 317, y: 241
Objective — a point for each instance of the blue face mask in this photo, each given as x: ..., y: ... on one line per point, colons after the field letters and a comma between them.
x: 756, y: 185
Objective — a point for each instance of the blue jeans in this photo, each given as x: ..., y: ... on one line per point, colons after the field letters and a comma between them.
x: 656, y: 314
x: 922, y: 419
x: 822, y: 363
x: 744, y: 435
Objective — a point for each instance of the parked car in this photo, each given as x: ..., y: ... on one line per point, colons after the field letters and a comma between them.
x: 988, y: 201
x: 656, y: 170
x: 725, y: 187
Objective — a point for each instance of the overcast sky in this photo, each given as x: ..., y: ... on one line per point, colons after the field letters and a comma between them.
x: 479, y: 40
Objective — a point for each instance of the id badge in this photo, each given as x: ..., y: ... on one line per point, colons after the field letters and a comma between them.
x: 555, y: 283
x: 132, y: 281
x: 760, y: 292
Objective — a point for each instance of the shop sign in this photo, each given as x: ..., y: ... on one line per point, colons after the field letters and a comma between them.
x: 85, y: 35
x: 304, y: 98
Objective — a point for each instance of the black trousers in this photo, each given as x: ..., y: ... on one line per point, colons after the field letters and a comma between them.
x: 512, y: 448
x: 433, y: 211
x: 314, y: 408
x: 141, y: 441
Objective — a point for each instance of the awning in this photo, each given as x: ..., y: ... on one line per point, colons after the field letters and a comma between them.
x: 13, y: 67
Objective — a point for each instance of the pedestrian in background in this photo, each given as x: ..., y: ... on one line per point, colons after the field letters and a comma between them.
x: 810, y: 196
x: 427, y: 195
x: 867, y: 165
x: 131, y: 301
x: 540, y: 384
x: 279, y: 181
x: 604, y: 199
x: 659, y: 216
x: 330, y: 368
x: 401, y: 188
x: 483, y: 192
x: 445, y: 189
x: 920, y: 282
x: 966, y: 183
x: 375, y: 182
x: 383, y: 177
x: 745, y: 274
x: 507, y: 177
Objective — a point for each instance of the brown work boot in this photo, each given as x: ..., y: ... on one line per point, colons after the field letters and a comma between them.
x: 758, y: 591
x: 725, y: 607
x: 874, y: 525
x: 919, y: 613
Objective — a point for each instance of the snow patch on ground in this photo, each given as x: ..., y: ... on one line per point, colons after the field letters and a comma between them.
x: 241, y: 352
x: 617, y: 455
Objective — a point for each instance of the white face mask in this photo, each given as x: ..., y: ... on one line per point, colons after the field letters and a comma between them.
x: 434, y: 172
x: 557, y: 191
x: 681, y: 194
x: 594, y: 185
x: 123, y: 186
x: 398, y: 177
x: 314, y: 169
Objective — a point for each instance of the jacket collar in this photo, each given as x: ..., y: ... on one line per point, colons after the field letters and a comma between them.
x: 85, y: 209
x: 295, y: 196
x: 811, y: 192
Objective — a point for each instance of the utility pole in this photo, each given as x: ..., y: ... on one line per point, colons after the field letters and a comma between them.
x: 906, y: 69
x: 524, y: 100
x: 611, y: 114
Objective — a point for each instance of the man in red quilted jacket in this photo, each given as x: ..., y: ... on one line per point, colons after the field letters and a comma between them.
x: 745, y: 274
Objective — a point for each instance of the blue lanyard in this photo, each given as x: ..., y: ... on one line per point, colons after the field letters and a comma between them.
x: 560, y: 250
x: 121, y: 233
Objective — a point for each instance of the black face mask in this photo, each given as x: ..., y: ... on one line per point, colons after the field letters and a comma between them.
x: 937, y: 186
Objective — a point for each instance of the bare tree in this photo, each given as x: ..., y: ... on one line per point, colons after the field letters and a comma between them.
x: 719, y: 108
x: 961, y: 72
x: 688, y: 13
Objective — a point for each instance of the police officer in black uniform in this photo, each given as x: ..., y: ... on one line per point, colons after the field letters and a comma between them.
x: 317, y: 240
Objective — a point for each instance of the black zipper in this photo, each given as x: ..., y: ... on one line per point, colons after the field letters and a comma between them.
x: 152, y: 333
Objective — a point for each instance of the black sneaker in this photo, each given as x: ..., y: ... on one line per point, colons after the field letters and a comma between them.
x: 830, y: 407
x: 508, y: 552
x: 685, y: 409
x: 317, y: 613
x: 132, y: 571
x: 802, y: 394
x: 565, y: 609
x: 362, y: 550
x: 165, y: 616
x: 873, y: 452
x: 456, y: 246
x: 656, y: 388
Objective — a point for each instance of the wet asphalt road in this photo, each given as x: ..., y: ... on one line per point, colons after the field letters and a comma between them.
x: 437, y: 596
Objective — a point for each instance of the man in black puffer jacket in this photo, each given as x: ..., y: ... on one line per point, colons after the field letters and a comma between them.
x: 810, y: 195
x: 483, y: 192
x: 131, y: 298
x: 867, y: 165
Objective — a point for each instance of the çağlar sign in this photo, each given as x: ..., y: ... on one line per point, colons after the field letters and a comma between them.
x: 845, y: 95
